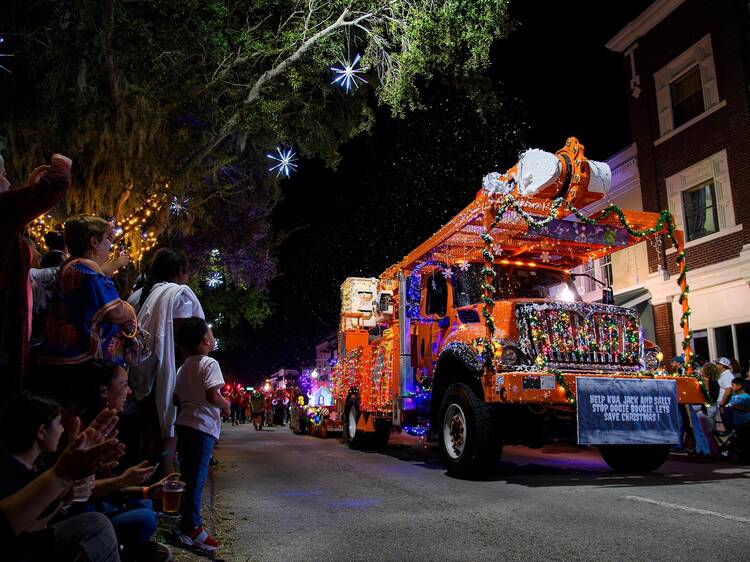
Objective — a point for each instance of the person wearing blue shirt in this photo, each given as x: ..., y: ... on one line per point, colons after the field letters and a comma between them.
x: 736, y: 406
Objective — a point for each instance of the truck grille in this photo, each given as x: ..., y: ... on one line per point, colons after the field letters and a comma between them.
x: 580, y: 336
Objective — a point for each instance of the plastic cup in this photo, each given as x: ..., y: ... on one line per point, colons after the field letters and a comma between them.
x: 172, y: 495
x: 83, y: 488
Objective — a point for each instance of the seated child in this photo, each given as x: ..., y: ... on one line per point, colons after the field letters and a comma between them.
x: 737, y: 411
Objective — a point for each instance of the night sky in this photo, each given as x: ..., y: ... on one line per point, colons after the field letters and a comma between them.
x: 398, y: 184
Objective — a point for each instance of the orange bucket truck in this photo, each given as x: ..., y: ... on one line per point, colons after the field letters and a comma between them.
x: 478, y: 338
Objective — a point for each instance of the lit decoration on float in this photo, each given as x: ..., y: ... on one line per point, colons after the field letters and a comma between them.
x: 348, y: 74
x: 510, y: 204
x: 285, y: 159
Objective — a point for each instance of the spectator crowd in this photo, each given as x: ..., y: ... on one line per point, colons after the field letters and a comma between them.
x: 110, y: 396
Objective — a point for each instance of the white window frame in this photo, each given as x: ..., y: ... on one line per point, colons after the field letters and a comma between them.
x: 715, y: 169
x: 701, y: 55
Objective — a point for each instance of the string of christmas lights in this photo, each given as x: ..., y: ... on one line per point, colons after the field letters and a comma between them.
x: 509, y: 203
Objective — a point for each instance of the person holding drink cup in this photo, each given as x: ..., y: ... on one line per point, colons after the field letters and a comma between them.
x: 121, y: 497
x: 198, y: 394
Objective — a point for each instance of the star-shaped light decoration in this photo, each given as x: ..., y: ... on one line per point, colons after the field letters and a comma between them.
x: 348, y: 73
x: 285, y: 159
x: 545, y: 257
x: 214, y: 279
x: 2, y: 40
x: 178, y: 205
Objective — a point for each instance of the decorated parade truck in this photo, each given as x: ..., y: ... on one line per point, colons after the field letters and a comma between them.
x: 478, y: 338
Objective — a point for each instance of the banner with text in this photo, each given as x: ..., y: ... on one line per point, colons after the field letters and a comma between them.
x: 627, y: 411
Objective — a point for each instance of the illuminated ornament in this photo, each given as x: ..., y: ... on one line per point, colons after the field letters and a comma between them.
x: 178, y: 206
x: 348, y: 74
x: 219, y: 319
x: 285, y: 161
x: 447, y: 273
x: 214, y: 279
x: 464, y: 266
x: 545, y: 257
x: 217, y: 346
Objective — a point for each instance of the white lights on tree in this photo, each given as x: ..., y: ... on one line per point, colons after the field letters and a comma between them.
x: 214, y: 279
x: 285, y: 159
x: 348, y: 73
x: 178, y: 205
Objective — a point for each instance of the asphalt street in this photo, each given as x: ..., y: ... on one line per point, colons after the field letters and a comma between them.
x: 283, y: 496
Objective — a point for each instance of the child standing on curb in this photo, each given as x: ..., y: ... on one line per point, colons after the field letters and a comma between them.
x: 198, y: 392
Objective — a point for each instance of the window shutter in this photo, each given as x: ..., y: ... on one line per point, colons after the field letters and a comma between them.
x: 723, y: 190
x: 708, y: 76
x: 675, y: 184
x: 664, y: 106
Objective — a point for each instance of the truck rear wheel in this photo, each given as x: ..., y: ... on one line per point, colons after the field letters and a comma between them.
x: 382, y: 435
x: 352, y: 437
x: 467, y: 437
x: 634, y: 458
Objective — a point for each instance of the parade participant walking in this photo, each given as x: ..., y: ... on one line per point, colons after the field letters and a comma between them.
x: 258, y: 406
x: 44, y: 187
x: 162, y: 303
x: 198, y: 392
x: 724, y: 379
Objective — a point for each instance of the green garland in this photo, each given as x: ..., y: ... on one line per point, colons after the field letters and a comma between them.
x: 509, y: 202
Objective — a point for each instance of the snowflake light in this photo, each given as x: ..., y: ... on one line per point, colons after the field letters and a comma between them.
x: 214, y: 279
x: 464, y: 266
x: 285, y: 161
x: 2, y: 40
x: 178, y: 206
x: 545, y: 257
x: 348, y: 73
x: 447, y: 273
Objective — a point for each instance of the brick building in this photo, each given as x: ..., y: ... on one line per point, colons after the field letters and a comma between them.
x: 686, y: 70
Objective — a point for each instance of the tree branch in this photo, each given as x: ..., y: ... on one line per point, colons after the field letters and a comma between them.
x: 271, y: 74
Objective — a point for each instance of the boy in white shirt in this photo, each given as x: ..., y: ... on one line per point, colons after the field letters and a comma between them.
x: 198, y: 392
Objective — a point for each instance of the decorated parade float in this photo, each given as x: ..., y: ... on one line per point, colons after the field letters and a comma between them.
x: 478, y: 338
x: 313, y: 410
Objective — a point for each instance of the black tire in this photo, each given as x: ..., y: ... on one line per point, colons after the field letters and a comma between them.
x: 634, y: 458
x: 467, y: 436
x: 352, y: 437
x: 379, y: 439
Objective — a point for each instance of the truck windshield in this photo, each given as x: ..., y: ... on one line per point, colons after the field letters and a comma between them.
x: 513, y: 282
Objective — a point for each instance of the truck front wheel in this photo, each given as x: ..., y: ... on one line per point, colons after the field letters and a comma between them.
x: 467, y: 437
x: 634, y: 458
x: 352, y: 437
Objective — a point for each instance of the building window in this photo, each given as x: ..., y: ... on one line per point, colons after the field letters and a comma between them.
x: 700, y: 198
x: 699, y: 205
x: 686, y: 93
x: 686, y: 88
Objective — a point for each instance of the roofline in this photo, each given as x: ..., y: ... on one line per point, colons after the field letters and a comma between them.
x: 649, y: 18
